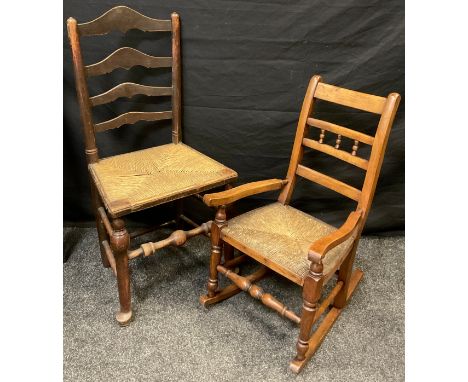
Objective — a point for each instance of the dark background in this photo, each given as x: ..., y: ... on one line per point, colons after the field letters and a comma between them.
x: 246, y: 66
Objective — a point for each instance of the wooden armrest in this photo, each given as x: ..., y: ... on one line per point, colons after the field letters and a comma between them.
x: 320, y: 247
x: 236, y: 193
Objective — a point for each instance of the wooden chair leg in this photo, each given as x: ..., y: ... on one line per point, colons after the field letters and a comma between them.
x: 319, y: 334
x: 344, y: 274
x: 311, y: 295
x: 179, y: 211
x: 228, y: 252
x: 120, y: 242
x: 102, y: 234
x: 216, y: 243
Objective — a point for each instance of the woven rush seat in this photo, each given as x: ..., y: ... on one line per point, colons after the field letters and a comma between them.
x: 146, y: 178
x: 282, y: 235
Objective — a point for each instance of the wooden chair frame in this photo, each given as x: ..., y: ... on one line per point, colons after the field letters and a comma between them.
x: 347, y: 280
x: 114, y: 238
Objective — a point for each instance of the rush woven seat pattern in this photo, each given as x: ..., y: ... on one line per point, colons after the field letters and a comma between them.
x: 282, y: 234
x: 146, y: 178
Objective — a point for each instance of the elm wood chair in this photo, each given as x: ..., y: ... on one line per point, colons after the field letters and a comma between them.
x: 294, y: 244
x: 130, y: 182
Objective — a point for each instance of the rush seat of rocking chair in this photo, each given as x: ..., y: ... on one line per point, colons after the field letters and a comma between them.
x: 146, y: 178
x: 282, y: 235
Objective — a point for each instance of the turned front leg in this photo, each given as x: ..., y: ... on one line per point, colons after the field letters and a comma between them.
x: 311, y: 295
x: 120, y: 241
x: 218, y: 224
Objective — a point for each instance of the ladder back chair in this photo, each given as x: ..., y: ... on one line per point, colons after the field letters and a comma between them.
x: 294, y: 244
x: 134, y: 181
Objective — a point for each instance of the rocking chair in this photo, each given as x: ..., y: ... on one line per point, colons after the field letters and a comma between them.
x: 134, y: 181
x: 294, y: 244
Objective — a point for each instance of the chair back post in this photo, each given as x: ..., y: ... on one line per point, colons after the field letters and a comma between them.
x: 123, y: 19
x: 82, y: 92
x: 176, y: 80
x: 377, y: 154
x: 297, y: 151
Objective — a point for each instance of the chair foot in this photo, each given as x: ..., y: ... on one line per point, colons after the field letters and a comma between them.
x: 319, y: 335
x: 124, y: 318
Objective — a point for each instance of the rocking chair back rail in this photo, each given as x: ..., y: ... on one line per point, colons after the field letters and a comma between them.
x: 386, y: 107
x: 123, y: 19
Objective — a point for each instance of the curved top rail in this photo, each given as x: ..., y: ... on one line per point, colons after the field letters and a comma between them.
x: 123, y: 18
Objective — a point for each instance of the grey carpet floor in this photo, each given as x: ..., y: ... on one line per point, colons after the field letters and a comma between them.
x: 173, y: 338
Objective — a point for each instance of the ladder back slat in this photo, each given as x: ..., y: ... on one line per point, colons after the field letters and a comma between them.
x: 337, y: 153
x: 350, y: 98
x: 329, y: 182
x: 122, y: 18
x: 127, y: 58
x: 132, y: 117
x: 337, y: 129
x: 128, y: 90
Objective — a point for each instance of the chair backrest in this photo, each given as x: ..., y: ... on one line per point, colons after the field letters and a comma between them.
x: 123, y: 19
x: 385, y: 107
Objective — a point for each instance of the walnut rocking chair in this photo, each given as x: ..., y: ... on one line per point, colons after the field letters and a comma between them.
x: 296, y: 245
x: 134, y: 181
